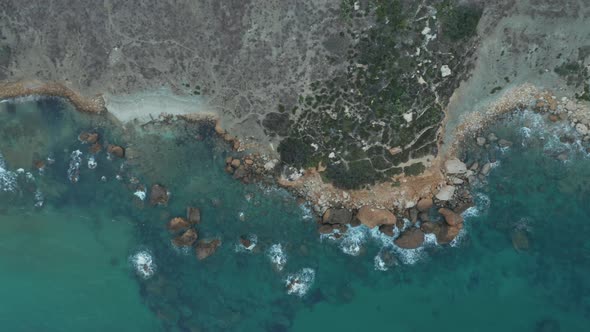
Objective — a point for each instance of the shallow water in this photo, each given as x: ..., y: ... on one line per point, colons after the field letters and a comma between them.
x: 67, y: 265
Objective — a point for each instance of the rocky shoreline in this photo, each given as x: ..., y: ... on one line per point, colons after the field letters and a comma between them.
x: 431, y: 202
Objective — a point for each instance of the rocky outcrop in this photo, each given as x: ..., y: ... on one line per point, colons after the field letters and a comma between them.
x: 337, y: 216
x: 193, y: 215
x: 447, y: 233
x: 88, y: 138
x: 410, y: 239
x: 206, y: 248
x: 446, y: 193
x: 158, y: 195
x: 373, y: 217
x: 178, y: 224
x: 186, y: 239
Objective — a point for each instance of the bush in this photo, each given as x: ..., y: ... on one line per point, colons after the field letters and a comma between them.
x: 460, y: 22
x: 356, y: 175
x: 295, y: 152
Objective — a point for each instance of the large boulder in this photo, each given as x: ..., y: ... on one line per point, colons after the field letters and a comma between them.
x: 373, y: 217
x: 410, y: 239
x: 455, y: 166
x: 424, y: 204
x: 446, y: 193
x: 337, y: 216
x: 158, y: 195
x: 178, y: 224
x: 387, y: 230
x: 193, y: 215
x: 186, y: 239
x: 206, y: 248
x: 116, y: 150
x: 451, y: 218
x: 447, y: 233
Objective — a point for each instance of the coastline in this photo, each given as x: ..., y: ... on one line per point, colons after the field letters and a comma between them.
x: 445, y: 184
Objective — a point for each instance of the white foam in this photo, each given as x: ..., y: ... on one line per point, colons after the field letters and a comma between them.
x: 141, y: 194
x: 380, y: 263
x: 39, y: 199
x: 92, y: 162
x: 458, y: 240
x: 277, y: 256
x: 299, y: 283
x: 74, y: 169
x: 353, y: 240
x: 7, y: 178
x: 143, y: 263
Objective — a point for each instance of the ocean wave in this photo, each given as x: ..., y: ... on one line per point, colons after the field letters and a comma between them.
x: 8, y: 178
x: 277, y: 256
x: 74, y: 168
x: 300, y: 282
x: 143, y: 263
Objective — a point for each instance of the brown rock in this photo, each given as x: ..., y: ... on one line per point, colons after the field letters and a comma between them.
x: 206, y: 248
x: 553, y: 118
x: 89, y: 138
x: 116, y: 150
x: 356, y: 222
x: 248, y: 162
x: 386, y: 229
x: 337, y: 216
x: 235, y: 163
x: 178, y: 224
x: 38, y: 164
x: 451, y: 218
x: 193, y: 215
x: 410, y: 239
x: 245, y: 242
x: 447, y: 233
x: 186, y: 239
x: 413, y: 215
x: 218, y: 128
x: 424, y: 204
x: 228, y: 160
x: 158, y: 195
x: 372, y: 217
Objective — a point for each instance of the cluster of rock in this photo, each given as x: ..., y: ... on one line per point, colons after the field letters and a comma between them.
x: 186, y: 234
x: 245, y: 169
x: 93, y: 139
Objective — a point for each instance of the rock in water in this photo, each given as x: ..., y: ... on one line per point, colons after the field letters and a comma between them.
x: 178, y: 224
x: 451, y: 218
x: 387, y: 230
x: 193, y: 215
x: 88, y: 138
x: 455, y: 166
x: 520, y: 240
x: 206, y: 248
x: 373, y: 217
x: 186, y: 239
x: 410, y: 239
x: 424, y: 204
x: 337, y: 216
x: 447, y: 233
x: 158, y: 195
x: 116, y: 151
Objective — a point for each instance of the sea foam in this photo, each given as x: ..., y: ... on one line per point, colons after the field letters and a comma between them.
x: 300, y: 282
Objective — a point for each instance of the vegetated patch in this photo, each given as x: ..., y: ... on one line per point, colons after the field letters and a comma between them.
x: 385, y: 106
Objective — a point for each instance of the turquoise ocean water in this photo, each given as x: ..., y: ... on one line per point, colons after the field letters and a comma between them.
x: 68, y: 250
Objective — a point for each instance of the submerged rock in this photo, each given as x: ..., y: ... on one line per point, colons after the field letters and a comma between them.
x: 373, y: 217
x: 520, y: 240
x: 116, y: 150
x: 193, y: 215
x: 206, y: 248
x: 186, y: 239
x: 158, y: 195
x: 178, y: 224
x: 337, y: 216
x: 88, y: 138
x: 410, y: 239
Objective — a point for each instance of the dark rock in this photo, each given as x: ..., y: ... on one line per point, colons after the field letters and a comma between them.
x: 413, y: 215
x: 410, y: 239
x: 193, y: 215
x: 447, y: 233
x: 95, y: 148
x: 206, y: 248
x: 337, y: 216
x: 325, y: 229
x: 245, y: 242
x: 158, y: 195
x: 186, y: 239
x: 430, y: 227
x: 386, y: 229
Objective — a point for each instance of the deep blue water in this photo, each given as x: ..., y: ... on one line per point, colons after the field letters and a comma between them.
x: 522, y: 265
